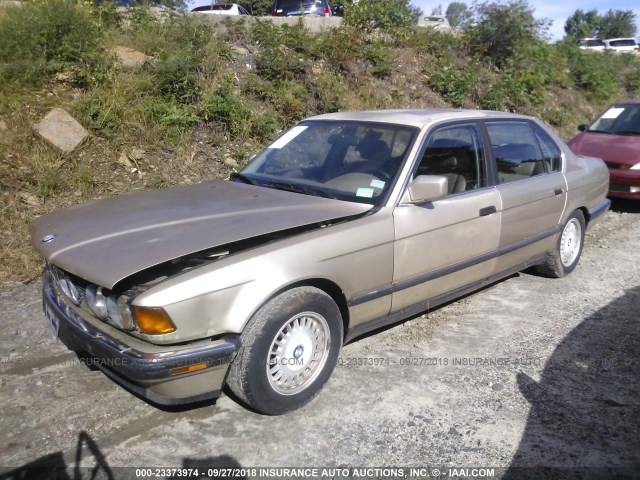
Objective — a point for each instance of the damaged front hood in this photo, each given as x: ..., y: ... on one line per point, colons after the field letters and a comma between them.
x: 107, y: 240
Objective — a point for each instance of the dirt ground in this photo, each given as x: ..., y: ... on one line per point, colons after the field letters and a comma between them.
x: 531, y: 372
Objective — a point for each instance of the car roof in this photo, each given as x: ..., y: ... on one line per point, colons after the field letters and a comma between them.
x: 414, y: 117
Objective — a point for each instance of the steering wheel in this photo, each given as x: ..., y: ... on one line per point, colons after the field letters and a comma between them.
x: 378, y: 173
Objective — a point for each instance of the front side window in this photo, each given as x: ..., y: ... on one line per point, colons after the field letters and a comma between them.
x: 456, y: 153
x: 516, y: 151
x: 353, y: 161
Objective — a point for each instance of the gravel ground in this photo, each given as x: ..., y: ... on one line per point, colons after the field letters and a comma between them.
x: 530, y: 372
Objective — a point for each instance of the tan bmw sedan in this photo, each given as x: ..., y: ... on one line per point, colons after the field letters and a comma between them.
x: 347, y: 222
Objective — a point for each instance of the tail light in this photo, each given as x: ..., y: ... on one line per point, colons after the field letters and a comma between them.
x: 327, y: 12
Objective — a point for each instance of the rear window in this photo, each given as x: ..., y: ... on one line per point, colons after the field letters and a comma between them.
x: 627, y: 42
x: 213, y: 8
x: 292, y: 5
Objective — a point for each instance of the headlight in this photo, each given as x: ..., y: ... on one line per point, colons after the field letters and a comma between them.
x: 96, y: 301
x: 636, y: 166
x: 66, y: 285
x: 119, y: 312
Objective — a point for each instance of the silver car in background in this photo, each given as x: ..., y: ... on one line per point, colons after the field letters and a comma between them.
x: 346, y: 223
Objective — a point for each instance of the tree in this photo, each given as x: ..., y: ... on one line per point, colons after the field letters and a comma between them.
x: 582, y: 24
x: 617, y: 23
x: 613, y: 24
x: 504, y: 28
x: 459, y: 15
x: 437, y: 10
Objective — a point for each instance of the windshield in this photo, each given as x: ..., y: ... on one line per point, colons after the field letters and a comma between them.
x: 619, y: 120
x: 353, y: 161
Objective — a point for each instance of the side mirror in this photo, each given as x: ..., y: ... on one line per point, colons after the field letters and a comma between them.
x: 583, y: 127
x: 427, y: 187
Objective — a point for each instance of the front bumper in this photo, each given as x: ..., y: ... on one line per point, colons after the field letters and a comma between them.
x: 624, y: 183
x: 141, y: 367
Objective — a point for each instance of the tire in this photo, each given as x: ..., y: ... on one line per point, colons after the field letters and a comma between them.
x: 288, y: 350
x: 564, y: 259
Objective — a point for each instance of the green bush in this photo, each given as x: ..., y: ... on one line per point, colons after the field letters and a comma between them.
x: 224, y: 105
x: 537, y: 66
x: 175, y: 77
x: 506, y: 94
x: 46, y: 36
x: 596, y: 73
x: 455, y: 83
x: 390, y: 16
x: 632, y: 82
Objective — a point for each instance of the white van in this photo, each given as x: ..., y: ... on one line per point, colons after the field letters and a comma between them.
x: 627, y: 45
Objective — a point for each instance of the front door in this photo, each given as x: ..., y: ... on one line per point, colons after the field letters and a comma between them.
x: 450, y: 242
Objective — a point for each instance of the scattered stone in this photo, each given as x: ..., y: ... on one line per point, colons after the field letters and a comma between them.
x: 61, y: 130
x: 130, y: 58
x: 29, y: 199
x: 230, y: 162
x: 62, y: 77
x: 3, y: 126
x: 240, y: 50
x: 453, y: 431
x: 411, y: 424
x: 497, y: 387
x: 137, y: 153
x: 124, y: 160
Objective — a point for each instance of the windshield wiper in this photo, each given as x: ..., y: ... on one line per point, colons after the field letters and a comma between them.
x: 628, y: 132
x: 290, y: 187
x: 600, y: 131
x: 242, y: 177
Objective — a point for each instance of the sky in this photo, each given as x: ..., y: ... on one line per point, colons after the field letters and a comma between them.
x: 556, y: 10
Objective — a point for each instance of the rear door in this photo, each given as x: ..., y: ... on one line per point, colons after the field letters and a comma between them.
x: 532, y: 189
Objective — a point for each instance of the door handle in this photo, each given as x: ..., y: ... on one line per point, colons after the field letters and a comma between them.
x: 487, y: 211
x: 558, y: 191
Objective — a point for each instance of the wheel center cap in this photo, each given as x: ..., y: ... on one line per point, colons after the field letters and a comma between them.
x: 297, y: 353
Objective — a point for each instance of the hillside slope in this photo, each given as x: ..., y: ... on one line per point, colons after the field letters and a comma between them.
x: 198, y: 102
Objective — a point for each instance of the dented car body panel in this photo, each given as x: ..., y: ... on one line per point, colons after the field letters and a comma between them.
x: 331, y: 205
x: 161, y: 225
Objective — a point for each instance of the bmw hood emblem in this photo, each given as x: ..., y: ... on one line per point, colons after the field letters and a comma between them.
x: 47, y: 238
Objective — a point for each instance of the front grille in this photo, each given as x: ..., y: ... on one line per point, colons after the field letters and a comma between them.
x: 619, y: 188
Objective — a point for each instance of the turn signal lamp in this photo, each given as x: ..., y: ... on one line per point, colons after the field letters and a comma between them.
x: 153, y: 320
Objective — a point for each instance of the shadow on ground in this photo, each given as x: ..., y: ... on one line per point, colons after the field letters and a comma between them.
x: 585, y: 411
x: 90, y: 464
x: 625, y: 205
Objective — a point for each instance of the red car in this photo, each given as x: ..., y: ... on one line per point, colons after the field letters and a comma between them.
x: 615, y: 138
